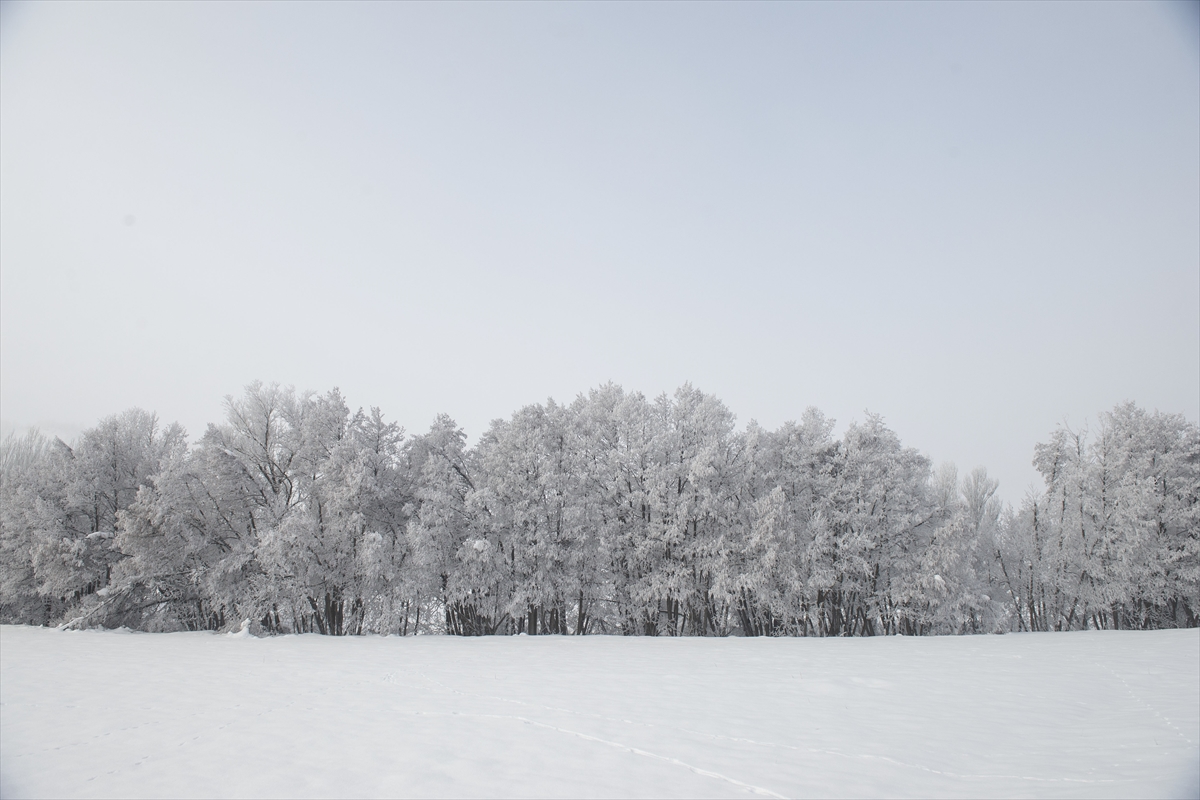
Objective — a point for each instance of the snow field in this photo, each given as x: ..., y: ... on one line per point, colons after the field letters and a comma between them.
x: 118, y: 714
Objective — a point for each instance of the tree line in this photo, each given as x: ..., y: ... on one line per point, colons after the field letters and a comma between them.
x: 614, y: 514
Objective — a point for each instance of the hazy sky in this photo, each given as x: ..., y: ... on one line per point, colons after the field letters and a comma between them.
x: 977, y: 220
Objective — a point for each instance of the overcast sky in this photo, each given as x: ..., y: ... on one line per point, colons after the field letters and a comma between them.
x: 978, y: 220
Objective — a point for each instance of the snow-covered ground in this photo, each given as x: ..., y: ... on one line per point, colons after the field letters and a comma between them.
x: 118, y: 714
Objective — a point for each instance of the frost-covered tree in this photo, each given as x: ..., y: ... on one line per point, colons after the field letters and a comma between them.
x: 170, y: 548
x: 879, y: 525
x: 626, y: 426
x: 22, y: 473
x: 63, y: 508
x: 529, y: 505
x: 694, y: 485
x: 449, y: 555
x: 292, y: 514
x: 1114, y: 539
x: 779, y: 566
x: 963, y: 596
x: 332, y: 545
x: 379, y: 496
x: 201, y: 533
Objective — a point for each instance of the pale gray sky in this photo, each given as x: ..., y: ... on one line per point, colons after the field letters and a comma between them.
x: 977, y: 220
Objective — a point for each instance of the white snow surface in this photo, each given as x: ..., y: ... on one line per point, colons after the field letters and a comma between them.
x: 119, y: 714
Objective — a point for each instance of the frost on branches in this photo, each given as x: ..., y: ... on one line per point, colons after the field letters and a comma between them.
x: 614, y: 514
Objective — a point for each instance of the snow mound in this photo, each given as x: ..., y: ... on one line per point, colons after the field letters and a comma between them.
x: 243, y: 632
